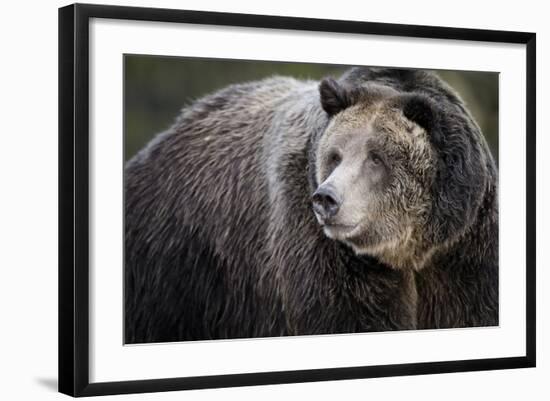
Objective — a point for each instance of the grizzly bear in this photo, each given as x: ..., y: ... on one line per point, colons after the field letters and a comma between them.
x: 287, y: 207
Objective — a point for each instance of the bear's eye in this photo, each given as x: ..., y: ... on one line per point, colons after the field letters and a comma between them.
x: 374, y: 158
x: 334, y: 159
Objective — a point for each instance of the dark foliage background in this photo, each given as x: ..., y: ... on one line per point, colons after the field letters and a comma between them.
x: 156, y: 89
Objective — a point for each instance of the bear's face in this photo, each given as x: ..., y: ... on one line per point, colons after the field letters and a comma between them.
x: 374, y: 168
x: 396, y: 176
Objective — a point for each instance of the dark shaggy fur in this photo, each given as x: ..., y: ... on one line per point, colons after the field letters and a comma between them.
x: 221, y: 241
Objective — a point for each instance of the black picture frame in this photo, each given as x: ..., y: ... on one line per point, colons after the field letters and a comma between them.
x: 74, y: 198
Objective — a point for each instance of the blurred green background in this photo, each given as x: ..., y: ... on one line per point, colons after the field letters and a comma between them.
x: 156, y: 88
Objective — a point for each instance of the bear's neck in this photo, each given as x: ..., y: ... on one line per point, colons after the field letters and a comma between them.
x: 478, y: 245
x: 463, y: 273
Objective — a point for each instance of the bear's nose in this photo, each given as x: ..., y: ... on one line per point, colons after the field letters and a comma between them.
x: 325, y: 202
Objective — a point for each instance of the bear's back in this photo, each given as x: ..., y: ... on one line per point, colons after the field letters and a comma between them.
x: 217, y: 141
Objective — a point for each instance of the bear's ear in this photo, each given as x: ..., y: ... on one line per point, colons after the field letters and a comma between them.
x: 424, y: 112
x: 334, y: 97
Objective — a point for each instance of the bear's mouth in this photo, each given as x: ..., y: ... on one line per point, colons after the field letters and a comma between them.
x: 338, y: 231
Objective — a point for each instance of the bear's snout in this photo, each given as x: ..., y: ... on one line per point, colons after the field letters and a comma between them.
x: 326, y: 203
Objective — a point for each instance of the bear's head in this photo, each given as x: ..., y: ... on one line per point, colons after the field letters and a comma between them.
x: 396, y: 175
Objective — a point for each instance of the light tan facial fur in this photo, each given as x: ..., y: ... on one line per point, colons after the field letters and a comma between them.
x: 383, y: 172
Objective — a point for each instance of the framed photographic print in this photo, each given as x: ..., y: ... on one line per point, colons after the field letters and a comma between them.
x: 250, y: 199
